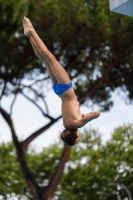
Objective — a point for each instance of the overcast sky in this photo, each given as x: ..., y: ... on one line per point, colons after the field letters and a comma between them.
x: 28, y: 119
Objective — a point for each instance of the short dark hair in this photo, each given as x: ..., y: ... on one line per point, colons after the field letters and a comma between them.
x: 69, y: 136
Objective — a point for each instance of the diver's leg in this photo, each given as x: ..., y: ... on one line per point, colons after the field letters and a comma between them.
x: 58, y: 71
x: 36, y: 50
x: 52, y: 77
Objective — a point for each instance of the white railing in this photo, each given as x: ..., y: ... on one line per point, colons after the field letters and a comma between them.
x: 122, y: 186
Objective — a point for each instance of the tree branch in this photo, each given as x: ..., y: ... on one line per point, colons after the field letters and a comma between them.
x: 51, y: 118
x: 3, y: 91
x: 7, y: 118
x: 36, y: 190
x: 117, y: 80
x: 39, y: 80
x: 58, y: 173
x: 39, y: 95
x: 13, y: 103
x: 85, y: 64
x: 98, y: 84
x: 37, y: 133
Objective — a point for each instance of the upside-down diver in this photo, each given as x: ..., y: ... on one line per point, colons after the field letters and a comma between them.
x: 62, y: 85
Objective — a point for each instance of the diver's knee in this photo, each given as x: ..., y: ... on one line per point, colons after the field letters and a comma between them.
x: 51, y: 58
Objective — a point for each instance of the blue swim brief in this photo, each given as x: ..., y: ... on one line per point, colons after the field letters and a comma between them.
x: 61, y: 88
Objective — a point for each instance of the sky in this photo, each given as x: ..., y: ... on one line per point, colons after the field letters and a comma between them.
x: 28, y: 119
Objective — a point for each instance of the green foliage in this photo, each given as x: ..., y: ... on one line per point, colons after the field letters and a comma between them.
x: 89, y: 176
x: 91, y: 168
x: 12, y: 13
x: 11, y: 178
x: 83, y: 35
x: 43, y: 164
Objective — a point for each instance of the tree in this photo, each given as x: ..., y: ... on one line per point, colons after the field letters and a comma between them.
x: 12, y: 183
x: 42, y: 164
x: 93, y: 44
x: 94, y: 166
x: 91, y: 169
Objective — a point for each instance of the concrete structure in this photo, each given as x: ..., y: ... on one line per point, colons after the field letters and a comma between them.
x: 122, y: 6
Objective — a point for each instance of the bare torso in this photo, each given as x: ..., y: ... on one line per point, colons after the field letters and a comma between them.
x: 70, y: 108
x: 71, y: 114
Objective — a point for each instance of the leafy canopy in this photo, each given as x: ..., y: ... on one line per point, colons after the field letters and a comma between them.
x: 91, y: 168
x: 92, y: 43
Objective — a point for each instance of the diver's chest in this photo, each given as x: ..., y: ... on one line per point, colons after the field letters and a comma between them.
x: 70, y: 110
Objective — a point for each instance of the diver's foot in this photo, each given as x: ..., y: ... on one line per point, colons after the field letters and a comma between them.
x: 27, y: 26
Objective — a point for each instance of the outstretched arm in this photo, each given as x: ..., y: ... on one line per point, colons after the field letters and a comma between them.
x: 86, y: 118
